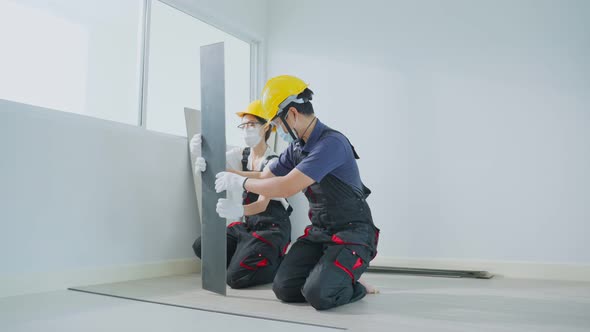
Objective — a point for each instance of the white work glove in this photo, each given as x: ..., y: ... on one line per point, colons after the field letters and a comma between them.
x: 195, y: 145
x: 228, y: 181
x: 200, y: 164
x: 226, y: 208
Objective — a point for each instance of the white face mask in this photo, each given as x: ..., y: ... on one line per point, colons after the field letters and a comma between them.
x: 252, y: 136
x: 285, y: 134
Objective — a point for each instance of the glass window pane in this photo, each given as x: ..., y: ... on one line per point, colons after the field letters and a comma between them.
x: 174, y: 70
x: 75, y: 56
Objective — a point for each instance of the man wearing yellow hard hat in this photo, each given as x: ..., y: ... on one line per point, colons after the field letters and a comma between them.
x: 256, y: 246
x: 324, y: 265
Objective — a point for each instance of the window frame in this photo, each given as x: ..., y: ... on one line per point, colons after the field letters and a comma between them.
x: 256, y: 59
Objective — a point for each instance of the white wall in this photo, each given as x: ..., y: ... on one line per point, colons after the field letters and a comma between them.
x: 81, y: 193
x: 471, y: 118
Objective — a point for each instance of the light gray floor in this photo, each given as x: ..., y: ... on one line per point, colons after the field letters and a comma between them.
x: 67, y: 311
x: 404, y: 304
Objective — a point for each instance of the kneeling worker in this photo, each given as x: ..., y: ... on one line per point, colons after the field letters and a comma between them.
x: 256, y: 247
x: 324, y: 265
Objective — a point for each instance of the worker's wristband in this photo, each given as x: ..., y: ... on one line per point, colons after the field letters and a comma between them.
x: 244, y: 184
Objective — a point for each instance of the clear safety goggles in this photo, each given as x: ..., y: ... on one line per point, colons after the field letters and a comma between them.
x: 249, y: 125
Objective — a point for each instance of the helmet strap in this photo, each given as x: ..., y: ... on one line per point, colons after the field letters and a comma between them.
x: 283, y: 118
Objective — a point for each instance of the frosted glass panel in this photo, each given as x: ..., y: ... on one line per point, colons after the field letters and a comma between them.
x: 174, y: 73
x: 74, y: 56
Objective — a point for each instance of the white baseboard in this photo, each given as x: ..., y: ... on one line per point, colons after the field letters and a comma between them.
x: 508, y: 269
x: 60, y: 280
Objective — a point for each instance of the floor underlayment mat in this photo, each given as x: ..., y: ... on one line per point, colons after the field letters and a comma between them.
x: 404, y: 303
x: 65, y: 311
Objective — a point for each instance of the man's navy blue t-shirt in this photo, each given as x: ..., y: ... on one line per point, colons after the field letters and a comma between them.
x: 332, y: 154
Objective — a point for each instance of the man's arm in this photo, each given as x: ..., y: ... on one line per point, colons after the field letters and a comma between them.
x: 281, y: 186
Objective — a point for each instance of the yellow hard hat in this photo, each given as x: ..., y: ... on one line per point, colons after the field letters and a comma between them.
x: 280, y: 90
x: 255, y: 108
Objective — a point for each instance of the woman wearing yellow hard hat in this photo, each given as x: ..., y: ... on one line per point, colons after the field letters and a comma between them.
x: 256, y: 246
x: 323, y: 267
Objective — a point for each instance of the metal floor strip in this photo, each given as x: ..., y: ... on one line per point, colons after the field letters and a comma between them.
x: 432, y: 272
x: 207, y: 310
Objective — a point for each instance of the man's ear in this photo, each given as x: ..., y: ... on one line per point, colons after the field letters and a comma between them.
x: 293, y: 112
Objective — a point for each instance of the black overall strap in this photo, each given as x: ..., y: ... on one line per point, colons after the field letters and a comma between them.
x: 245, y: 155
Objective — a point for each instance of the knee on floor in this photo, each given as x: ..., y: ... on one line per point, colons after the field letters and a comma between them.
x: 241, y: 280
x: 287, y: 294
x: 318, y: 297
x: 326, y: 294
